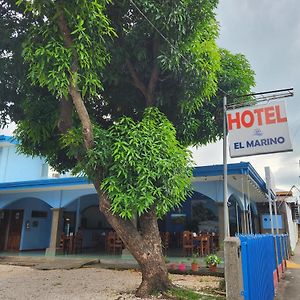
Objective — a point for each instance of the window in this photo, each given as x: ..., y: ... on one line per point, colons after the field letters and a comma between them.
x: 39, y: 214
x: 204, y: 215
x: 92, y: 218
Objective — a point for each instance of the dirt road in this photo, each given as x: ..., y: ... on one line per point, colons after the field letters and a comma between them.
x: 85, y: 284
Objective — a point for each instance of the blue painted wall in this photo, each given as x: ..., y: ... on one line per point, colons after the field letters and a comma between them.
x: 18, y: 167
x: 35, y: 237
x: 54, y: 198
x: 185, y: 210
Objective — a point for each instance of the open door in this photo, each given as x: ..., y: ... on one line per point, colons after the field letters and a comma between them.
x: 4, y: 216
x: 15, y: 230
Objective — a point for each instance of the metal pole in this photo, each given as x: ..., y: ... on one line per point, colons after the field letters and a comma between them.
x: 250, y: 212
x: 276, y: 217
x: 225, y: 190
x: 267, y: 172
x: 244, y: 225
x: 268, y: 185
x: 270, y: 211
x: 237, y: 217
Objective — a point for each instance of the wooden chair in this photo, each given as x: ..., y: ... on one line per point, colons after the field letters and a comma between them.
x: 187, y: 243
x: 77, y: 242
x: 96, y: 240
x: 64, y: 243
x: 204, y: 245
x: 109, y: 242
x: 118, y: 246
x: 114, y: 244
x: 214, y: 242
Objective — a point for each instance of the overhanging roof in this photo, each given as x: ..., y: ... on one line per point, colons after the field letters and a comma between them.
x: 68, y: 183
x: 242, y: 170
x: 206, y: 173
x: 7, y: 140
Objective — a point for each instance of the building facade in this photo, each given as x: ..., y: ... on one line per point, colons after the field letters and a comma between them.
x: 35, y: 208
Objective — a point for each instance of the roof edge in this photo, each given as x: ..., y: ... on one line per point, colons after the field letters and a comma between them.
x: 8, y: 139
x: 242, y: 168
x: 44, y: 183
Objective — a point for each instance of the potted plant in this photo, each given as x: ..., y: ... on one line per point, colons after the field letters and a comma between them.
x: 212, y: 261
x: 182, y: 267
x: 173, y: 266
x: 195, y: 263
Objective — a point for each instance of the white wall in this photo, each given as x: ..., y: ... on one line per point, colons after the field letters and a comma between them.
x: 292, y: 227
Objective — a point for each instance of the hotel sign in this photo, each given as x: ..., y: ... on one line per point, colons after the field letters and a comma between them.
x: 258, y: 129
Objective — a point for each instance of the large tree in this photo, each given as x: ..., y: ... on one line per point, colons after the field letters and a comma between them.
x: 117, y: 91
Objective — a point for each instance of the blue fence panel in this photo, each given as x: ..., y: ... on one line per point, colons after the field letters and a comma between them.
x: 286, y: 246
x: 279, y: 248
x: 258, y: 265
x: 282, y: 249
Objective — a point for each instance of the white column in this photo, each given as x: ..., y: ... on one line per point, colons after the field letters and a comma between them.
x: 54, y: 247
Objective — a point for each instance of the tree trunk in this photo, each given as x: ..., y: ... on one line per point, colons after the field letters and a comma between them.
x: 154, y: 270
x: 145, y: 246
x: 154, y: 275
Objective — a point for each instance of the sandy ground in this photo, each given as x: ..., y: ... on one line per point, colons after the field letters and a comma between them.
x: 85, y: 283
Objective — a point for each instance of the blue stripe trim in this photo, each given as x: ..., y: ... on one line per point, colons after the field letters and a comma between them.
x: 8, y: 139
x: 243, y: 168
x: 44, y: 183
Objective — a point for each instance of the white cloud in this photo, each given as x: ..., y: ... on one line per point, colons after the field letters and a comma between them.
x: 267, y: 32
x: 8, y: 130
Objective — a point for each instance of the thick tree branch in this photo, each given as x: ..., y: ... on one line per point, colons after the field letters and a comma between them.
x: 73, y: 87
x: 124, y: 228
x: 65, y: 119
x: 136, y: 80
x: 165, y: 78
x: 147, y: 91
x: 154, y: 74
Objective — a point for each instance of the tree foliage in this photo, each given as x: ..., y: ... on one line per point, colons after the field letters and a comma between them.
x: 123, y: 65
x: 182, y: 66
x: 51, y: 58
x: 236, y: 78
x: 13, y: 73
x: 144, y: 164
x: 117, y: 90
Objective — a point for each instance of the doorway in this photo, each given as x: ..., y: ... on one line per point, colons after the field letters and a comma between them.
x: 4, y: 216
x: 15, y: 223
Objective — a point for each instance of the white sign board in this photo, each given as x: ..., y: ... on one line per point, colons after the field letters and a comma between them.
x: 258, y: 129
x: 270, y: 179
x: 266, y: 221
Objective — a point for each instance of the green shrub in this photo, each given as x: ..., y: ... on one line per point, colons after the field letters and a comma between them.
x: 212, y: 259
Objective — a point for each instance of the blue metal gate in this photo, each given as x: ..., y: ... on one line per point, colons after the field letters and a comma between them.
x: 259, y: 266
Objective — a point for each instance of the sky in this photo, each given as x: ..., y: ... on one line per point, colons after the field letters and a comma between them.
x: 267, y: 32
